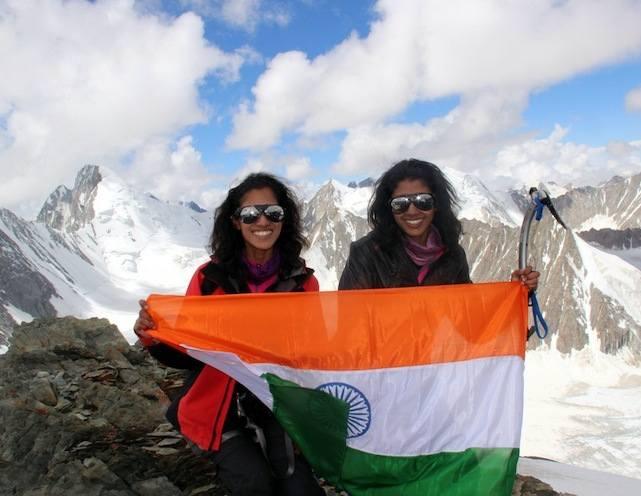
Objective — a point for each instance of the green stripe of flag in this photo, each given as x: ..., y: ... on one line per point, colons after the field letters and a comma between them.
x: 317, y: 422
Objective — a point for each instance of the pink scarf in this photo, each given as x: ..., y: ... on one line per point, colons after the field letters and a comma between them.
x: 425, y: 255
x: 262, y: 276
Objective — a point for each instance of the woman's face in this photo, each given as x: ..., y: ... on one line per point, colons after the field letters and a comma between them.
x: 415, y: 223
x: 261, y: 235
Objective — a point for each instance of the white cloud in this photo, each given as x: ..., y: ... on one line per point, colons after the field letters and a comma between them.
x: 467, y: 138
x: 565, y: 162
x: 92, y: 82
x: 425, y: 49
x: 252, y: 165
x: 299, y: 168
x: 243, y: 14
x: 171, y: 171
x: 633, y: 100
x: 474, y: 138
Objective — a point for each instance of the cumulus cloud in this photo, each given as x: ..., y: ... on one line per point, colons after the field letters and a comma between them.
x: 633, y: 100
x: 299, y: 168
x: 424, y: 49
x: 253, y: 164
x: 171, y: 171
x: 93, y: 82
x: 467, y: 138
x: 474, y: 138
x: 242, y: 14
x: 554, y: 158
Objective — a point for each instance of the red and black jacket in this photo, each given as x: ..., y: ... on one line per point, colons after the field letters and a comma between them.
x: 200, y: 409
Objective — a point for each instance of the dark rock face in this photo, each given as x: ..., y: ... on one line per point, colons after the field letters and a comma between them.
x: 618, y: 199
x: 82, y: 413
x: 21, y: 285
x: 529, y: 486
x: 331, y: 228
x: 192, y: 205
x: 69, y: 210
x: 563, y: 291
x: 613, y: 239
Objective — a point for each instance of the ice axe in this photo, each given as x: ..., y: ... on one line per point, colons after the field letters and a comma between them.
x: 540, y: 201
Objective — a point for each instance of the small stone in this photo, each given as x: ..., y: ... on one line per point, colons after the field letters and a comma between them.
x: 43, y: 391
x: 81, y: 446
x: 169, y: 442
x: 64, y: 405
x: 202, y: 489
x: 156, y: 486
x: 129, y: 376
x: 160, y: 451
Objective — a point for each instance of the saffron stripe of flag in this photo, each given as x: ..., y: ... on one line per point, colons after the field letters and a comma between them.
x: 399, y: 391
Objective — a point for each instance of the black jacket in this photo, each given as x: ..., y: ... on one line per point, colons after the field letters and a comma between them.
x: 371, y: 266
x: 205, y: 404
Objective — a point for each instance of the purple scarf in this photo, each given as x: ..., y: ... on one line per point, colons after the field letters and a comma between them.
x: 261, y: 276
x: 425, y: 255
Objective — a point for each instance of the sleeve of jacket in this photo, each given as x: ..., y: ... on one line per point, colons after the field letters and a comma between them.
x: 169, y: 356
x: 311, y: 284
x: 357, y: 273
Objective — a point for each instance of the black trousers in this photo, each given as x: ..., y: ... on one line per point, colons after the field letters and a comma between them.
x: 246, y: 470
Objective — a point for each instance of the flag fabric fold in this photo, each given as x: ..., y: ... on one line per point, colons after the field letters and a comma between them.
x: 402, y: 391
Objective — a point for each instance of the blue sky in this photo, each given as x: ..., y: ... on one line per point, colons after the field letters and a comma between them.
x: 185, y: 97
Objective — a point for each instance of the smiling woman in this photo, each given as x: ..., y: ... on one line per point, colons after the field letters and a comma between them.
x: 256, y: 244
x: 415, y: 234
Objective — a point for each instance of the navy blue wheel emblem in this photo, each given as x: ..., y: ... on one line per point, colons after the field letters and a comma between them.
x: 359, y: 415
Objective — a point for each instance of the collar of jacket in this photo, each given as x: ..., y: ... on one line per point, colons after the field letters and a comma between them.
x: 216, y: 276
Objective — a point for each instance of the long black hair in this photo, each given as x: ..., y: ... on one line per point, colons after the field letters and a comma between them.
x: 379, y: 214
x: 226, y: 242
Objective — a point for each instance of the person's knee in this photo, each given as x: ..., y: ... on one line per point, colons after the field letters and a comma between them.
x: 243, y: 468
x: 258, y: 481
x: 301, y: 483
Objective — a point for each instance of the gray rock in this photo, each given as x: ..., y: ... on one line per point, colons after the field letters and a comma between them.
x: 103, y: 437
x: 42, y: 390
x: 155, y: 487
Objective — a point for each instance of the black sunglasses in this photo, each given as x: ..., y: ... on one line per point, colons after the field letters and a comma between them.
x: 422, y: 201
x: 250, y: 213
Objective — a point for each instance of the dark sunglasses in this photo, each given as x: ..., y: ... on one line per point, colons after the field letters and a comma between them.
x: 250, y: 213
x: 422, y: 201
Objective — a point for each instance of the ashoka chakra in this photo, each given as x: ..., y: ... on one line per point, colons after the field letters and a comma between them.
x: 360, y: 412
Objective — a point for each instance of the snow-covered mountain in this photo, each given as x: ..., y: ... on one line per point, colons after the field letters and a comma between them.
x: 95, y: 250
x: 98, y: 247
x: 615, y: 204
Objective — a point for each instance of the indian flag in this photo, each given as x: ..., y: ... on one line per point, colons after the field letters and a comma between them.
x: 410, y: 391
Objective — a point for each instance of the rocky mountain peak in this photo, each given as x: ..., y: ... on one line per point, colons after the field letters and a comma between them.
x: 615, y: 205
x: 69, y: 210
x: 83, y: 414
x: 192, y: 205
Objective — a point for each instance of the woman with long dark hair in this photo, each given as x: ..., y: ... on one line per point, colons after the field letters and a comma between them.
x: 415, y: 234
x: 256, y: 244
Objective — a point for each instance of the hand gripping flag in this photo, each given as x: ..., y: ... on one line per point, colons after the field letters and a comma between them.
x: 410, y: 391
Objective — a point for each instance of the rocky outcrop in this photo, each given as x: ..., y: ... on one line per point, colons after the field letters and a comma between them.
x: 577, y: 312
x: 21, y: 284
x: 330, y: 228
x: 82, y: 413
x: 613, y: 239
x: 69, y: 210
x: 618, y: 200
